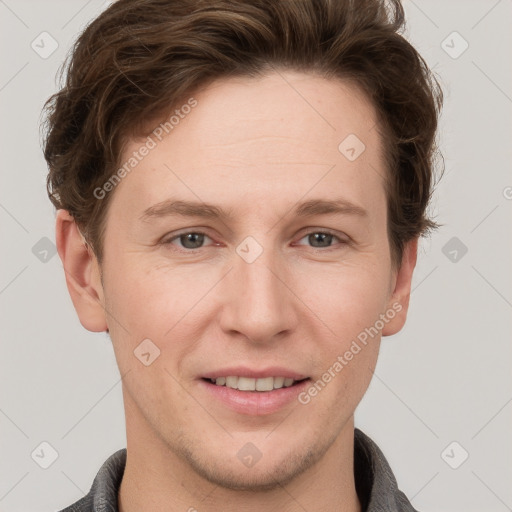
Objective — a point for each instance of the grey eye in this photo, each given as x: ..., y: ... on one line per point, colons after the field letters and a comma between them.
x: 191, y: 240
x: 323, y: 239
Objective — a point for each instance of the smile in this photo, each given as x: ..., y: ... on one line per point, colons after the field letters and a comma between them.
x: 250, y: 384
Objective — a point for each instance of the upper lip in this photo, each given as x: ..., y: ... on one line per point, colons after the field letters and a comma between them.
x: 243, y: 371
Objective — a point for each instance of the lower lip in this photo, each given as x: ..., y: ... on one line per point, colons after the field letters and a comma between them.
x: 255, y: 403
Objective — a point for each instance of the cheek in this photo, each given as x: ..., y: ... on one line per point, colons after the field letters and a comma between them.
x: 346, y: 299
x: 147, y: 318
x: 151, y: 300
x: 163, y: 304
x: 348, y: 304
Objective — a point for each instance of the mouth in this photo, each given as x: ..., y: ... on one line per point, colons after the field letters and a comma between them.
x: 254, y: 393
x: 262, y: 384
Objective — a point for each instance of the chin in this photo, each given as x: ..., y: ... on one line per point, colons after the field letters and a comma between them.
x: 264, y: 475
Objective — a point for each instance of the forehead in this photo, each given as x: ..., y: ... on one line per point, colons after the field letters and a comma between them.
x: 278, y: 111
x: 273, y: 137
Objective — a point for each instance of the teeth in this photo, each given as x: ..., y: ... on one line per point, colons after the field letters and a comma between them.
x: 231, y: 382
x: 249, y: 384
x: 266, y: 384
x: 246, y: 384
x: 278, y: 382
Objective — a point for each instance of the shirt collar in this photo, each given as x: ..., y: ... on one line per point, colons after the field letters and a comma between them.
x: 376, y: 485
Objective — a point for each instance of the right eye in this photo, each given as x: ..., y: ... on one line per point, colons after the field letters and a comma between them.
x: 188, y: 240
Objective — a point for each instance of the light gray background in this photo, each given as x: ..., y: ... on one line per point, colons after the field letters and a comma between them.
x: 444, y: 378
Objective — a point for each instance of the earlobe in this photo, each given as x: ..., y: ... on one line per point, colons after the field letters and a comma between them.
x: 82, y: 273
x: 398, y: 303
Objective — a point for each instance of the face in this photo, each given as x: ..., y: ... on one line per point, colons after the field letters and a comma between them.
x: 251, y: 249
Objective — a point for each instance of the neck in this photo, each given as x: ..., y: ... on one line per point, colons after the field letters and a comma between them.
x: 157, y: 479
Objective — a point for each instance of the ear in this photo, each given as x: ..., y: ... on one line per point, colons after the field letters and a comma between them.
x: 82, y: 273
x: 399, y: 299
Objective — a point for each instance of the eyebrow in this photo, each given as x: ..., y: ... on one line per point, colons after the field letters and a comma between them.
x: 309, y: 208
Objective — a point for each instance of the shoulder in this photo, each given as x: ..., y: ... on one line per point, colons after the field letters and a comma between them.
x: 376, y: 484
x: 103, y: 493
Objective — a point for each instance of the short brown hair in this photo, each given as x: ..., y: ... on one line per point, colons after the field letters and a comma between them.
x: 140, y: 57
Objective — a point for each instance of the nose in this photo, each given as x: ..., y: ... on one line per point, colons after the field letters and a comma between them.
x: 258, y: 303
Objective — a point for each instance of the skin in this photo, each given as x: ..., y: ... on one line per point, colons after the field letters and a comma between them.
x: 248, y: 143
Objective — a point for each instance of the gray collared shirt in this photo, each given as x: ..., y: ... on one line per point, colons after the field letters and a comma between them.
x: 375, y: 483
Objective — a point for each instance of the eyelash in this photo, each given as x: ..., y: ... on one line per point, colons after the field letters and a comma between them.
x: 341, y: 241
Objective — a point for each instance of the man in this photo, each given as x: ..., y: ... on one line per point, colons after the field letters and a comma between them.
x: 240, y: 190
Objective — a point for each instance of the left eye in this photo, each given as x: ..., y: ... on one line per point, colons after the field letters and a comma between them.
x: 322, y: 238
